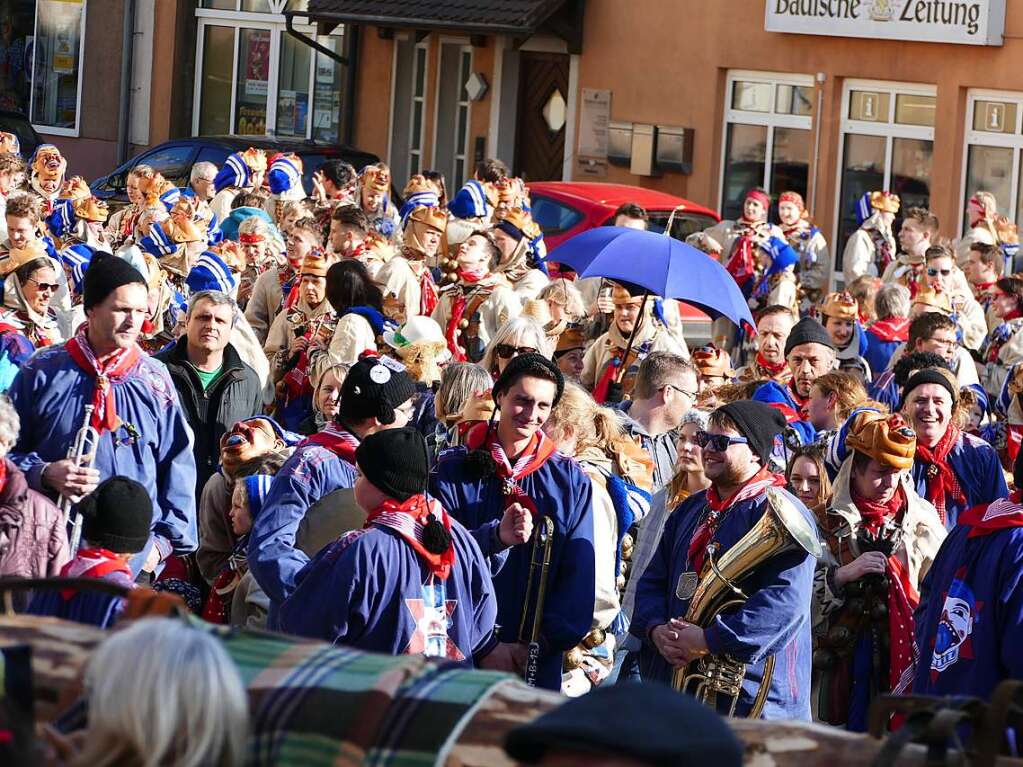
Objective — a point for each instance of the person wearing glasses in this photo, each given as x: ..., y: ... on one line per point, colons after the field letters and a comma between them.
x: 944, y: 276
x: 775, y: 620
x: 1004, y: 346
x: 936, y: 332
x: 200, y: 180
x: 522, y: 335
x: 30, y: 283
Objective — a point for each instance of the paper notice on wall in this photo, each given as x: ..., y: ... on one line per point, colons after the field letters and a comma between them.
x: 593, y: 120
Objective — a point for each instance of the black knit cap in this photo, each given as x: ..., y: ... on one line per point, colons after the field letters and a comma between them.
x: 373, y: 388
x: 758, y: 422
x: 105, y: 275
x: 652, y: 724
x: 808, y: 331
x: 117, y: 515
x: 395, y: 461
x: 943, y: 378
x: 533, y: 365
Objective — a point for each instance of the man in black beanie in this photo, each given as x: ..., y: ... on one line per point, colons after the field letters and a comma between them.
x: 412, y: 582
x: 502, y: 484
x: 115, y: 527
x: 142, y: 431
x: 310, y: 502
x: 773, y: 624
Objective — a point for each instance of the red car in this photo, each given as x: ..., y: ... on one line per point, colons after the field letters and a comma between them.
x: 566, y: 208
x: 563, y: 209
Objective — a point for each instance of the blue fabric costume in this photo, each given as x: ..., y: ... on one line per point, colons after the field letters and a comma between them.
x: 774, y: 621
x: 153, y: 445
x: 370, y: 590
x: 560, y: 490
x: 978, y: 471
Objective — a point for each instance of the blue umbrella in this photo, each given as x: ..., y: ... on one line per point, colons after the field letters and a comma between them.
x: 657, y: 263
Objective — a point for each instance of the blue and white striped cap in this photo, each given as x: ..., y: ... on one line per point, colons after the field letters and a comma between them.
x: 158, y: 243
x: 256, y: 487
x: 210, y: 273
x: 170, y: 197
x: 76, y: 259
x: 429, y: 199
x: 864, y: 209
x: 283, y: 176
x: 234, y: 172
x: 470, y: 202
x: 62, y: 220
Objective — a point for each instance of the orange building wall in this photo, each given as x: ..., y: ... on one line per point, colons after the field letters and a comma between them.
x: 666, y: 62
x: 373, y: 93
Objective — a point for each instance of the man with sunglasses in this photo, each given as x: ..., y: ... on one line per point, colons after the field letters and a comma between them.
x: 775, y: 618
x: 944, y: 275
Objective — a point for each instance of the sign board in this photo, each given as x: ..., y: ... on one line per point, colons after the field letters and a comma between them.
x: 593, y: 121
x: 966, y: 22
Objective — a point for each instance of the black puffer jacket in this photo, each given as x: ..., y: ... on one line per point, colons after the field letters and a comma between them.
x: 236, y: 394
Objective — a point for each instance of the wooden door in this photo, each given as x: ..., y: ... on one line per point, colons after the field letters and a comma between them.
x: 542, y: 113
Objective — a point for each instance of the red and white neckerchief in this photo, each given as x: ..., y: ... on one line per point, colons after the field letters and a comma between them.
x: 337, y: 440
x: 408, y: 519
x: 92, y: 563
x: 112, y: 369
x: 539, y: 449
x: 998, y: 515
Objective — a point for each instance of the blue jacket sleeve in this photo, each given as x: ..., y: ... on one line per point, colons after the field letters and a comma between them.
x: 176, y: 531
x: 320, y: 607
x: 653, y: 590
x: 769, y: 619
x: 568, y: 612
x: 996, y: 487
x: 1009, y: 612
x: 484, y: 599
x: 21, y: 395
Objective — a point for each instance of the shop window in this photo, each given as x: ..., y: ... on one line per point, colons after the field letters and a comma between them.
x: 993, y: 149
x: 452, y: 129
x: 255, y: 79
x: 768, y: 140
x: 57, y: 59
x: 887, y: 143
x: 415, y: 146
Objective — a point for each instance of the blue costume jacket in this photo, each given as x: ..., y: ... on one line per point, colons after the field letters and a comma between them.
x: 153, y: 445
x: 976, y: 466
x: 774, y: 621
x: 560, y: 491
x: 309, y: 474
x: 969, y: 625
x: 370, y: 590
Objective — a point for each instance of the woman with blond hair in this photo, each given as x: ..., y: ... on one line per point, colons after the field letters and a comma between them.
x: 521, y: 335
x: 161, y: 692
x: 462, y: 400
x: 621, y: 477
x: 833, y: 397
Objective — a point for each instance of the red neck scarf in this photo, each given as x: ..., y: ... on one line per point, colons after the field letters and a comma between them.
x: 891, y: 329
x: 980, y: 288
x: 742, y: 264
x: 92, y: 563
x: 539, y: 449
x: 774, y: 368
x: 801, y: 401
x: 716, y: 507
x: 337, y: 440
x: 988, y: 518
x: 112, y: 369
x: 408, y: 520
x: 1015, y: 314
x: 942, y: 484
x: 875, y: 513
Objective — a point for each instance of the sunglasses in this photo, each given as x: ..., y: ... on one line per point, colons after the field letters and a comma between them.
x: 691, y: 394
x: 53, y: 287
x: 935, y: 272
x: 507, y: 351
x: 719, y: 443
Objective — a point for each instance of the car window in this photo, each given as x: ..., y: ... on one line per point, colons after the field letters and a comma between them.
x: 553, y: 217
x: 684, y: 224
x: 213, y: 154
x: 173, y: 161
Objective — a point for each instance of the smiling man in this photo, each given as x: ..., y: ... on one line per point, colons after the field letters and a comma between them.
x: 142, y: 430
x: 216, y: 388
x: 503, y: 482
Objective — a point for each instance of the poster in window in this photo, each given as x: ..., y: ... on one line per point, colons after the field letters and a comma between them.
x: 257, y: 62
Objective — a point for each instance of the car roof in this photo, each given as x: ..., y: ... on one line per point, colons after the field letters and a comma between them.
x: 264, y: 142
x: 613, y: 195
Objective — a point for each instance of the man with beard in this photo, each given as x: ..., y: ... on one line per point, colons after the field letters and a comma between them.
x: 143, y: 434
x: 970, y: 621
x: 633, y: 319
x: 775, y: 620
x: 773, y: 330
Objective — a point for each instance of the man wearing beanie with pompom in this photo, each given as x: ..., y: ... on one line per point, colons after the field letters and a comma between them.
x: 377, y: 394
x: 143, y: 434
x: 411, y: 582
x: 774, y: 622
x: 115, y: 527
x: 505, y: 478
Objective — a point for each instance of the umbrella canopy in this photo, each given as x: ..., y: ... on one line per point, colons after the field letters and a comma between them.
x: 662, y: 265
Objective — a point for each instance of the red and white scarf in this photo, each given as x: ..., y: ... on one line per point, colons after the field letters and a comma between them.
x: 539, y: 449
x: 408, y: 520
x: 742, y: 264
x: 716, y: 507
x: 92, y: 563
x: 942, y: 484
x: 891, y: 329
x: 112, y: 369
x: 1003, y: 514
x: 337, y: 440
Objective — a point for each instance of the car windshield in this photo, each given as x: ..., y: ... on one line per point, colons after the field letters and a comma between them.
x: 684, y: 224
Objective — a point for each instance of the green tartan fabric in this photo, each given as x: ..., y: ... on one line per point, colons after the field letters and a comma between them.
x: 313, y: 704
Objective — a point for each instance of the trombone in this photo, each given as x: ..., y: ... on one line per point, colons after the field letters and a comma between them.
x: 83, y: 453
x: 540, y: 559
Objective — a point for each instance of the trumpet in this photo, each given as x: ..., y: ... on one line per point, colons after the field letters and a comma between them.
x: 540, y: 560
x: 83, y: 453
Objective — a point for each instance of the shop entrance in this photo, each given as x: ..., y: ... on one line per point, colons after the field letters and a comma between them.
x: 542, y: 114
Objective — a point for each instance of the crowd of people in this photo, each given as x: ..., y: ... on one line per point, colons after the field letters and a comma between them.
x: 402, y: 428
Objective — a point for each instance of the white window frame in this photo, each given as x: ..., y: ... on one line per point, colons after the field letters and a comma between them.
x: 49, y: 130
x: 889, y: 130
x: 1012, y: 141
x: 462, y: 102
x: 768, y: 119
x: 417, y: 151
x: 275, y: 24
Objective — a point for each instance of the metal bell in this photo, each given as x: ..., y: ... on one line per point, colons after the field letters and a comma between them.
x: 620, y: 583
x: 839, y: 634
x: 595, y: 638
x: 463, y: 324
x: 857, y: 606
x: 879, y: 610
x: 573, y: 659
x: 823, y: 659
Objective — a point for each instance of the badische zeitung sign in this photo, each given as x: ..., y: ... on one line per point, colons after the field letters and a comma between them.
x: 968, y: 22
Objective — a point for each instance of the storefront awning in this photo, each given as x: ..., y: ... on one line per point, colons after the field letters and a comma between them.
x: 519, y: 19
